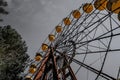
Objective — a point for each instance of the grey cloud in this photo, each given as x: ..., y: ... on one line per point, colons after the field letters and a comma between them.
x: 34, y: 19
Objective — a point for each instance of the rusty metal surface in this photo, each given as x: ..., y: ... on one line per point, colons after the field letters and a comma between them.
x: 42, y: 67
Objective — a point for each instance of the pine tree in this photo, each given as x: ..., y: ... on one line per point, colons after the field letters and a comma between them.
x: 13, y: 50
x: 13, y: 54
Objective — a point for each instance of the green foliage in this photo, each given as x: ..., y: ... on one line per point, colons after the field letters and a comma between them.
x: 12, y: 54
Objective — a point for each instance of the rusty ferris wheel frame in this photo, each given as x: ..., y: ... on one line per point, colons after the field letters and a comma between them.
x: 90, y: 34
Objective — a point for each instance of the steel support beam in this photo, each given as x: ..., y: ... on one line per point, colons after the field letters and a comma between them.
x: 55, y: 70
x: 104, y: 75
x: 42, y: 67
x: 73, y: 77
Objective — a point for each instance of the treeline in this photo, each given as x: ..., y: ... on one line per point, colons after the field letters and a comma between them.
x: 13, y: 50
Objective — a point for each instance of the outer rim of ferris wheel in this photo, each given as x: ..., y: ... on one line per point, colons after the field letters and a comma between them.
x: 80, y: 33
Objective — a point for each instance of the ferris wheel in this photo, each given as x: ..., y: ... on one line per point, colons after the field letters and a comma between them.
x: 83, y: 46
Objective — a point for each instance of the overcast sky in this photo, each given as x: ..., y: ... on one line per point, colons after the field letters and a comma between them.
x: 35, y: 19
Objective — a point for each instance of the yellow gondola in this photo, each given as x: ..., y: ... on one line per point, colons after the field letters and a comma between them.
x: 38, y: 57
x: 88, y: 7
x: 28, y: 78
x: 32, y: 69
x: 67, y: 21
x: 100, y: 4
x: 114, y: 6
x: 44, y: 47
x: 51, y: 37
x: 76, y: 14
x: 58, y: 29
